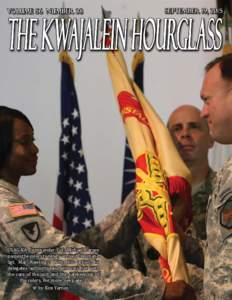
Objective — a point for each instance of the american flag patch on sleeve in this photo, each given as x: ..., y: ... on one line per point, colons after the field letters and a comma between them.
x: 22, y: 209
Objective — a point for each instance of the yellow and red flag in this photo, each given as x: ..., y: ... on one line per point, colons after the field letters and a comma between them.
x: 160, y: 172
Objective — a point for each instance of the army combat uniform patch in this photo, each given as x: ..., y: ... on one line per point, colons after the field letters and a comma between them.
x: 31, y: 231
x: 226, y: 214
x: 22, y: 209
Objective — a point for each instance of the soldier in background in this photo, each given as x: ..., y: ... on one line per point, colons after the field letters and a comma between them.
x: 191, y: 136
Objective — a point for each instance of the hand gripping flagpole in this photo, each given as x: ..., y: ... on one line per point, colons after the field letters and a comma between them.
x: 159, y: 171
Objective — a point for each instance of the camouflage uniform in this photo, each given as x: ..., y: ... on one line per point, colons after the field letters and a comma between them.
x: 218, y: 257
x: 30, y: 230
x: 200, y: 195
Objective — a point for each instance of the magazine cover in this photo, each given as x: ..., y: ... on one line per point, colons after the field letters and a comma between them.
x: 97, y: 97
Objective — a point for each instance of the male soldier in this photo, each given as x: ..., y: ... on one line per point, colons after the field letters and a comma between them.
x: 37, y: 260
x: 190, y: 133
x: 216, y: 93
x: 191, y: 137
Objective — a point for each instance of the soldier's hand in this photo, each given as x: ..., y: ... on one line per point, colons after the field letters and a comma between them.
x: 178, y: 290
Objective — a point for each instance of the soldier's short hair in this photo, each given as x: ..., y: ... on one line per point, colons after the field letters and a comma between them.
x: 7, y: 116
x: 225, y: 63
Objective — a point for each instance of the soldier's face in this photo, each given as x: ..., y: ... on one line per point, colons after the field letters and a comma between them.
x: 23, y: 157
x: 190, y: 134
x: 216, y: 94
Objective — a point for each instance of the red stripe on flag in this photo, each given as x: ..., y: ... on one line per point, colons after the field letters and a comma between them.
x: 57, y: 222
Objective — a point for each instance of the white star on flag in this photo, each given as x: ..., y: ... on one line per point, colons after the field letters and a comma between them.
x: 81, y: 153
x: 74, y: 147
x: 75, y: 113
x: 70, y: 199
x: 87, y: 223
x: 70, y: 182
x: 75, y: 220
x: 72, y: 166
x: 78, y: 185
x: 65, y: 139
x: 80, y: 168
x: 66, y: 122
x: 76, y: 202
x: 74, y: 130
x: 65, y: 156
x: 73, y: 235
x: 88, y: 207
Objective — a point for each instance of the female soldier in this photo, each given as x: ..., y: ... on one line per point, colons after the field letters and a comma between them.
x: 28, y: 240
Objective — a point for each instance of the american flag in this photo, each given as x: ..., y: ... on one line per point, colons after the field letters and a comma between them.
x: 73, y: 209
x: 128, y: 181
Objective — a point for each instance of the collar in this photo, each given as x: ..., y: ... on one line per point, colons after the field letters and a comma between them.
x: 12, y: 188
x: 206, y: 183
